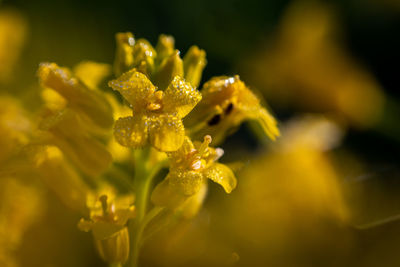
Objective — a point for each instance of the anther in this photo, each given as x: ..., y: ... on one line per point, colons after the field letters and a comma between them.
x: 204, y: 146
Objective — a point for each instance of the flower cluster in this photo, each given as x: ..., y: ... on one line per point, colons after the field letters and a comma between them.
x: 100, y: 153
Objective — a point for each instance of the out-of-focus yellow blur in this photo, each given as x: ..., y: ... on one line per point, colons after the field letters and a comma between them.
x: 306, y: 66
x: 13, y: 30
x: 289, y: 209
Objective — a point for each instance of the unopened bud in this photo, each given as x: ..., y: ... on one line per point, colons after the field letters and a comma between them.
x: 193, y: 64
x: 114, y: 249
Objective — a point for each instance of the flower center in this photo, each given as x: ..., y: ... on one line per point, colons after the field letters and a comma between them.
x: 196, y: 157
x: 155, y: 102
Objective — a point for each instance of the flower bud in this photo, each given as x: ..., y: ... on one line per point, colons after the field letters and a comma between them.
x: 114, y: 249
x: 193, y: 64
x: 169, y: 68
x: 87, y: 153
x: 124, y: 52
x: 165, y: 47
x: 93, y: 107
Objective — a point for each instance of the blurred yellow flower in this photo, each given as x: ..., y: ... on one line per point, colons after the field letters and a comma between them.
x: 83, y: 149
x: 109, y: 215
x: 59, y: 175
x: 15, y: 127
x: 226, y: 103
x: 305, y: 66
x: 91, y: 105
x: 92, y: 73
x: 21, y: 205
x: 157, y: 115
x: 190, y: 167
x: 13, y: 30
x: 293, y: 189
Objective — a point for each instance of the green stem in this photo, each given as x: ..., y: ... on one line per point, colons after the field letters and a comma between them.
x: 139, y: 233
x: 143, y: 191
x: 143, y: 184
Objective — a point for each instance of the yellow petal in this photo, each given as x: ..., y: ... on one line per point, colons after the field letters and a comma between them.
x: 180, y: 97
x: 52, y: 99
x: 71, y: 137
x: 15, y: 127
x: 114, y: 249
x: 143, y: 56
x: 135, y: 87
x: 193, y: 64
x: 222, y: 175
x: 192, y: 205
x: 268, y: 123
x: 92, y: 73
x: 119, y: 153
x: 102, y: 230
x: 131, y: 131
x: 186, y: 182
x: 180, y: 155
x: 177, y: 187
x: 13, y: 33
x: 166, y: 132
x: 89, y: 103
x: 60, y: 176
x: 22, y: 205
x: 166, y: 195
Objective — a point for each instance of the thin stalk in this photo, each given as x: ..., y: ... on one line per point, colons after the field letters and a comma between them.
x: 143, y: 184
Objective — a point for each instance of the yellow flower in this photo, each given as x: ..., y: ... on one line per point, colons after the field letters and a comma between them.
x: 108, y: 218
x: 21, y: 205
x: 192, y: 205
x: 15, y: 127
x: 132, y: 53
x: 59, y: 175
x: 161, y: 64
x: 306, y: 67
x: 13, y: 31
x: 92, y: 106
x: 89, y: 73
x: 226, y: 103
x: 190, y: 167
x: 92, y: 73
x: 157, y: 115
x: 294, y: 191
x: 69, y: 133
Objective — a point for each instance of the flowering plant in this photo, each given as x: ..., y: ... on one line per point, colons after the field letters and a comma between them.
x: 101, y: 154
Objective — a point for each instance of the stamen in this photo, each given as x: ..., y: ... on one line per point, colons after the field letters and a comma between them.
x: 155, y: 101
x: 158, y: 95
x: 153, y: 106
x: 204, y: 146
